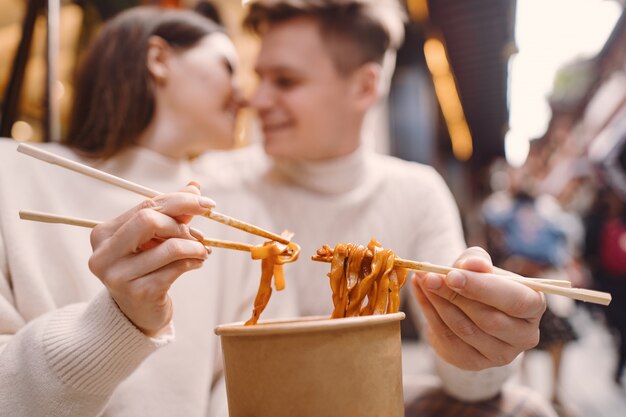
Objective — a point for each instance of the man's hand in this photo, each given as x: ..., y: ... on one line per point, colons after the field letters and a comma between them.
x: 475, y: 321
x: 140, y: 254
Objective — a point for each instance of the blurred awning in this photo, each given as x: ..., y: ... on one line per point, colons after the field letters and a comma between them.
x: 479, y: 39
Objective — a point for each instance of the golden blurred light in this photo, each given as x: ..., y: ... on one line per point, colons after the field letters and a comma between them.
x: 59, y: 90
x: 418, y: 10
x: 448, y: 97
x: 21, y: 131
x: 461, y: 141
x: 436, y: 58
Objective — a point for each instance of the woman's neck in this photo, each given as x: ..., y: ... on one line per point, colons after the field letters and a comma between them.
x: 168, y: 138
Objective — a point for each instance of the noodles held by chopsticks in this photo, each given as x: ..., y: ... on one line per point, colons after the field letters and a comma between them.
x: 271, y: 266
x: 357, y: 272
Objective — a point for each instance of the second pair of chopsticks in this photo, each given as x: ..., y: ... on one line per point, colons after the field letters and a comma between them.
x: 39, y: 216
x: 550, y: 286
x: 51, y: 158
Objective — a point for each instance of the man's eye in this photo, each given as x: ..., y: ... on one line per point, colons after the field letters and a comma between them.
x: 284, y: 82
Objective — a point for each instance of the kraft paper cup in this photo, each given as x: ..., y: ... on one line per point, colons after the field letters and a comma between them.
x: 314, y: 366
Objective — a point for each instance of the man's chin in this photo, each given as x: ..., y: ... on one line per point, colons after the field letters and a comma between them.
x: 272, y: 149
x: 274, y: 146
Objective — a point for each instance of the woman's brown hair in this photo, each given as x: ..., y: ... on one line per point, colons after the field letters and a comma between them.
x: 113, y: 101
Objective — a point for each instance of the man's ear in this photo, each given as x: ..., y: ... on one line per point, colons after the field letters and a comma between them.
x: 157, y: 59
x: 367, y: 85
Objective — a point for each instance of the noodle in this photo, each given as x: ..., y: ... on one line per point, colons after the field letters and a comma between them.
x: 357, y: 272
x: 271, y: 266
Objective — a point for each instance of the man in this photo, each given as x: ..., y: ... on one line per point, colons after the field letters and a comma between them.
x: 320, y: 69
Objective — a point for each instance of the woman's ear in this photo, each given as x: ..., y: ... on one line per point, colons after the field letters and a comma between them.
x: 157, y: 59
x: 366, y: 87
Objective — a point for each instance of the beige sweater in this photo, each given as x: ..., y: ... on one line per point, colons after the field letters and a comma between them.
x: 404, y: 205
x: 65, y: 347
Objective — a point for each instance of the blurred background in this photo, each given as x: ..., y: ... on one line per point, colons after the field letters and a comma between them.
x: 520, y: 105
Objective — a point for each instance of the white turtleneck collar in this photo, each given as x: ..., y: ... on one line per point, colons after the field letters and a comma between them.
x: 334, y: 176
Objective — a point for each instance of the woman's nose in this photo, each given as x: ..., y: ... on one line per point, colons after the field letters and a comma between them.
x: 238, y: 96
x: 261, y: 99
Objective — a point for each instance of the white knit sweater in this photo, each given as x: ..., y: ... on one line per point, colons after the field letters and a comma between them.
x: 404, y: 205
x: 65, y: 347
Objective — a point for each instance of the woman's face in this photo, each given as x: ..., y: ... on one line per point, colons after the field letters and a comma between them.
x: 197, y: 98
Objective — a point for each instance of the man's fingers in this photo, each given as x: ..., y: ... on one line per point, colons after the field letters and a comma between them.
x: 474, y: 259
x: 442, y: 338
x: 503, y: 294
x: 509, y: 329
x: 521, y: 333
x: 497, y: 351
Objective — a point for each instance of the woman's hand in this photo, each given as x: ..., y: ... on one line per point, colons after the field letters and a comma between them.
x: 477, y: 322
x: 140, y: 254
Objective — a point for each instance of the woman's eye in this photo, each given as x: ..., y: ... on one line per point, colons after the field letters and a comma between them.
x: 229, y: 67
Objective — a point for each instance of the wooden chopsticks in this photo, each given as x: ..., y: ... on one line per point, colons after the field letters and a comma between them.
x: 51, y: 158
x: 557, y: 287
x: 75, y: 221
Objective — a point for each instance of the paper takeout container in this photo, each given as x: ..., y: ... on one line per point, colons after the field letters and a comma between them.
x: 314, y: 367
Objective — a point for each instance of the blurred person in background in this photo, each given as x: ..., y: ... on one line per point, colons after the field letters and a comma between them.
x: 321, y: 69
x: 154, y: 90
x: 605, y: 254
x: 533, y: 236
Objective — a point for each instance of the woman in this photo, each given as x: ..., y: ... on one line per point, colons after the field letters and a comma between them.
x: 155, y: 89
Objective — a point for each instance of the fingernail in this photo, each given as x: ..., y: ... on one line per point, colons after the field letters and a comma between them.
x: 456, y: 279
x: 433, y: 281
x: 196, y: 233
x: 206, y: 202
x: 194, y: 184
x: 208, y: 250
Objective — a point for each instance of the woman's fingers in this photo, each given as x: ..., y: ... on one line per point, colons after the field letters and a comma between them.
x: 181, y: 206
x: 139, y: 254
x: 192, y: 188
x: 172, y: 250
x: 146, y: 226
x: 146, y: 301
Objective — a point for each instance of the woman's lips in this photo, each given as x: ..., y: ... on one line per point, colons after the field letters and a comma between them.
x: 275, y: 127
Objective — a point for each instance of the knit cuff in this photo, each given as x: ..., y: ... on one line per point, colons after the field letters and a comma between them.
x: 95, y: 350
x: 473, y: 385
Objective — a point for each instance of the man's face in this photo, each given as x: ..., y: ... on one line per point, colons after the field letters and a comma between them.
x: 306, y: 106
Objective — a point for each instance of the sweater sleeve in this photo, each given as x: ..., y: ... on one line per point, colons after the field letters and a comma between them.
x: 69, y: 361
x: 474, y: 385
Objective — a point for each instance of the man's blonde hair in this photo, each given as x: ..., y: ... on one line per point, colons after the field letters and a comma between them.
x: 354, y: 31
